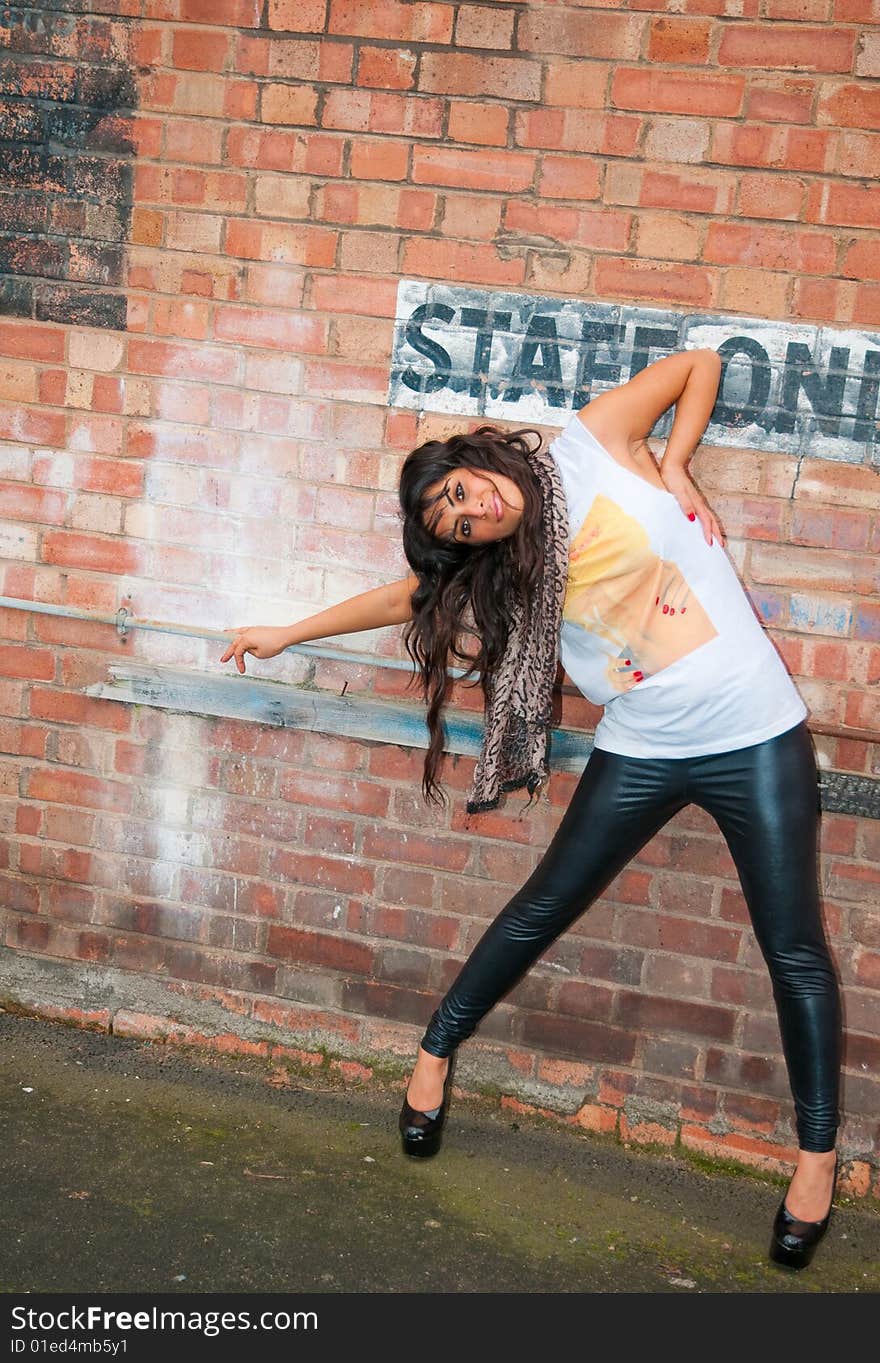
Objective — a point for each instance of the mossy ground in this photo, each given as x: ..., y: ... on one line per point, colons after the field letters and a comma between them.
x: 134, y: 1166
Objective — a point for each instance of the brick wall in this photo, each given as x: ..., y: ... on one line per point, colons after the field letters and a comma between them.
x: 205, y: 213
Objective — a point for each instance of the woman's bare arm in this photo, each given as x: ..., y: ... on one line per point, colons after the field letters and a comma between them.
x: 625, y: 416
x: 390, y: 604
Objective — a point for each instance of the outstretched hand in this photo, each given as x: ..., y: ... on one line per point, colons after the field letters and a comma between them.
x: 263, y: 641
x: 676, y: 481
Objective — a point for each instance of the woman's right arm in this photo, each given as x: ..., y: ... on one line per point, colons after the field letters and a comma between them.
x: 387, y: 605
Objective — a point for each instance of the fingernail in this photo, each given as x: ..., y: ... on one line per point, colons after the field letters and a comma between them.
x: 691, y: 516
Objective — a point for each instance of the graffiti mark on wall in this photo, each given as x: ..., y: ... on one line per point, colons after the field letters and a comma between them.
x: 796, y: 389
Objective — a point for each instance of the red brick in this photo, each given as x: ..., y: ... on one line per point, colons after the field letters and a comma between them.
x: 614, y: 36
x: 783, y: 100
x: 803, y: 10
x: 586, y: 1000
x: 420, y: 22
x: 387, y: 68
x: 67, y: 707
x: 275, y: 284
x: 277, y: 330
x: 201, y: 49
x: 857, y: 153
x: 464, y: 261
x: 350, y: 383
x: 261, y: 149
x: 685, y: 190
x: 576, y: 84
x: 32, y: 426
x: 379, y: 159
x: 193, y: 362
x: 335, y: 873
x: 240, y: 99
x: 679, y: 41
x: 402, y: 847
x: 297, y: 104
x: 578, y: 130
x: 862, y: 260
x: 849, y: 106
x: 678, y: 92
x: 676, y: 1015
x: 470, y: 121
x: 76, y: 788
x: 234, y: 13
x: 601, y: 228
x: 18, y: 383
x: 508, y: 171
x: 771, y: 196
x: 353, y: 293
x: 90, y: 552
x: 34, y: 934
x: 676, y: 976
x: 669, y: 236
x: 353, y: 797
x: 471, y: 216
x: 304, y: 59
x: 310, y: 246
x: 339, y: 953
x: 460, y: 73
x: 480, y: 26
x: 379, y: 204
x: 645, y: 280
x: 828, y: 528
x: 23, y: 661
x: 184, y: 320
x: 731, y: 243
x: 576, y: 1038
x: 867, y: 305
x: 193, y: 141
x: 297, y: 16
x: 849, y: 205
x: 570, y: 177
x: 839, y: 484
x: 21, y: 502
x: 828, y: 300
x: 825, y: 48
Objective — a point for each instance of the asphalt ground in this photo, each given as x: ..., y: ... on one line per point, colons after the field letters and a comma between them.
x: 132, y: 1166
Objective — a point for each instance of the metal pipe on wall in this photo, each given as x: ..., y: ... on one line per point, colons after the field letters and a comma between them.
x: 124, y: 621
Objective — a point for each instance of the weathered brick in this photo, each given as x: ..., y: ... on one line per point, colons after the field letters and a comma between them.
x: 826, y: 48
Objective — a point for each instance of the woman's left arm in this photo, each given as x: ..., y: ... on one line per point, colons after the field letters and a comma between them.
x: 689, y: 379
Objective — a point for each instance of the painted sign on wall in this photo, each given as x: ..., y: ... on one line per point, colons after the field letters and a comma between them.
x: 797, y: 389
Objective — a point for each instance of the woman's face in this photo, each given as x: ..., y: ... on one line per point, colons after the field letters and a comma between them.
x: 475, y: 507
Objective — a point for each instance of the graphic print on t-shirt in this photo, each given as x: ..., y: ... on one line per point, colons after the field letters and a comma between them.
x: 622, y: 592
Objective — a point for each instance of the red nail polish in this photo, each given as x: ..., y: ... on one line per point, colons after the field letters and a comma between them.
x: 638, y: 676
x: 627, y: 663
x: 656, y: 601
x: 683, y: 609
x: 691, y: 516
x: 671, y: 610
x: 665, y: 610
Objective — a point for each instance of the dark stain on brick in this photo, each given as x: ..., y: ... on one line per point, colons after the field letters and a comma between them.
x: 66, y: 146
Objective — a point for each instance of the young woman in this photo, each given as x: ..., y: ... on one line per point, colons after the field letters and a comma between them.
x: 592, y: 550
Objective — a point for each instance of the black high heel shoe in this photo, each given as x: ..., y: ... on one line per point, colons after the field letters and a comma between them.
x: 794, y: 1242
x: 422, y: 1132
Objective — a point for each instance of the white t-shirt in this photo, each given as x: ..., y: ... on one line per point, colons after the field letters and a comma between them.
x: 656, y: 625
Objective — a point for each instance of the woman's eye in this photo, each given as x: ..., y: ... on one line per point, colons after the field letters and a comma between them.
x: 465, y: 528
x: 459, y: 491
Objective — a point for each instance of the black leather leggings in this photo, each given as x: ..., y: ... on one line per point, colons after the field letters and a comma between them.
x: 766, y: 803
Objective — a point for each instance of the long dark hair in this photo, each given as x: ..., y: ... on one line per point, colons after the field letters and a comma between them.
x: 465, y: 590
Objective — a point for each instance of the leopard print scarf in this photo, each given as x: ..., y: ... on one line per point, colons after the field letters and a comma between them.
x: 519, y: 694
